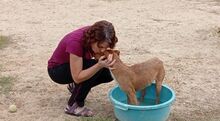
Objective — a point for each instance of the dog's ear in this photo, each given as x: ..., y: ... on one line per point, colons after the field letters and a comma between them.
x: 117, y: 52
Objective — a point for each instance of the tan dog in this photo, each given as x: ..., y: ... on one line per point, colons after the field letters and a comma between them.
x: 138, y: 76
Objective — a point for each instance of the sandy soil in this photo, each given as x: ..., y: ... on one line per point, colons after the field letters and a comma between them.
x: 185, y: 34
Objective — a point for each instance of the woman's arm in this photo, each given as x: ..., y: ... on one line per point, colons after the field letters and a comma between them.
x: 79, y: 75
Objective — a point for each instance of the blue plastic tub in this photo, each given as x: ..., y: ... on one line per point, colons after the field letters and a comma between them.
x: 149, y: 111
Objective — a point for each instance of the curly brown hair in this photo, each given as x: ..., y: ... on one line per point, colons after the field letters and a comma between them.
x: 101, y: 31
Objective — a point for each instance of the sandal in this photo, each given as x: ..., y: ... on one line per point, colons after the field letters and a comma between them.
x: 71, y: 87
x: 79, y: 111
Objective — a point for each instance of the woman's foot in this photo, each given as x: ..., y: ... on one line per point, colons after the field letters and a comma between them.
x: 71, y: 87
x: 79, y: 111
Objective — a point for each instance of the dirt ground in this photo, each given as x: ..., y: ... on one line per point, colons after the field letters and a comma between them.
x: 185, y: 34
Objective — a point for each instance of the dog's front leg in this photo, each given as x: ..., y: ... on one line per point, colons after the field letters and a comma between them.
x: 143, y: 93
x: 132, y: 99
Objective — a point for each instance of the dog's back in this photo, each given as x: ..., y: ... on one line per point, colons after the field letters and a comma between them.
x: 147, y: 72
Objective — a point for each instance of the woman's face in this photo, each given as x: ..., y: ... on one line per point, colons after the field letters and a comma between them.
x: 98, y: 48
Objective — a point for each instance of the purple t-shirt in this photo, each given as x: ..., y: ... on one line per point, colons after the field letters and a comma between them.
x: 71, y: 43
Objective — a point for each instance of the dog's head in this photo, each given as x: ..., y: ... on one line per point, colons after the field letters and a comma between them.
x: 108, y: 51
x: 115, y: 53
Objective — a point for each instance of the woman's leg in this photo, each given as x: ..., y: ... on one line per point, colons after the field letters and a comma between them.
x: 81, y: 90
x: 61, y: 74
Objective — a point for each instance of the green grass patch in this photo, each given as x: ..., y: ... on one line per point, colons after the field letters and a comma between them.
x: 96, y: 119
x: 4, y: 40
x: 6, y: 84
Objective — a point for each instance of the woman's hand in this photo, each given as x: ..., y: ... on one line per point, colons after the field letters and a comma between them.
x: 106, y: 62
x: 79, y: 75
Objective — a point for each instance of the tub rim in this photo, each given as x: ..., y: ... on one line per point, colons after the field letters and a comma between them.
x: 124, y: 106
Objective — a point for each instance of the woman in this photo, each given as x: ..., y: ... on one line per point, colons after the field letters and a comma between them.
x: 73, y: 63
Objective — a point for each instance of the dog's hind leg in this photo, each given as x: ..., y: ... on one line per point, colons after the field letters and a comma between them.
x: 132, y: 99
x: 159, y: 82
x: 158, y: 89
